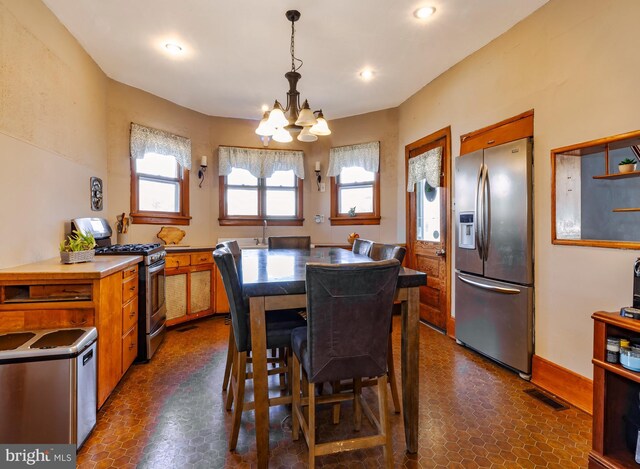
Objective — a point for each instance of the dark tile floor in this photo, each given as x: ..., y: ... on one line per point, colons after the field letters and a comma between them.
x: 170, y: 414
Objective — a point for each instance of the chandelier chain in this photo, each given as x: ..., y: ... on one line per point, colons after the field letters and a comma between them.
x: 293, y: 46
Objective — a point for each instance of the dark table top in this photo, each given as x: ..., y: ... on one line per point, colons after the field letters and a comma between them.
x: 282, y: 271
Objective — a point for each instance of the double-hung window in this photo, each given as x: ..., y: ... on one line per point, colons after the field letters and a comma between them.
x: 355, y: 184
x: 160, y: 164
x: 258, y: 185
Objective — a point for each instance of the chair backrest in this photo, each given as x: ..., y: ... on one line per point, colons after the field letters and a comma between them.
x: 349, y: 315
x: 290, y: 242
x: 236, y: 252
x: 381, y: 252
x: 361, y: 246
x: 238, y: 304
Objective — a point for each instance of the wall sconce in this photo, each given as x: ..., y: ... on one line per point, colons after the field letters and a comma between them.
x: 318, y: 177
x: 202, y: 170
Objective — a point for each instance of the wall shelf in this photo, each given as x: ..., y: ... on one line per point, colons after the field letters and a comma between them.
x: 618, y: 175
x: 631, y: 209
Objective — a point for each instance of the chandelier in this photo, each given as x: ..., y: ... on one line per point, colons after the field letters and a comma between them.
x: 279, y: 123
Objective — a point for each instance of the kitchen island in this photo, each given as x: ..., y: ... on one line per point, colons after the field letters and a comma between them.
x: 102, y: 293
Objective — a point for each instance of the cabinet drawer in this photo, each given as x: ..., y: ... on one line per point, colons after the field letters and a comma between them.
x: 178, y: 260
x: 130, y: 314
x: 129, y: 348
x: 129, y: 288
x: 202, y: 258
x: 130, y: 271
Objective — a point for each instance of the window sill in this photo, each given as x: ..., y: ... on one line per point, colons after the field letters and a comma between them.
x: 357, y: 220
x: 159, y: 218
x: 251, y: 221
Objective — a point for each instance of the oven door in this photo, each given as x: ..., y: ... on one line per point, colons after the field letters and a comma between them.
x: 156, y: 309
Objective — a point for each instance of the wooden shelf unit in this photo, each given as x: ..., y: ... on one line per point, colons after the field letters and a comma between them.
x: 618, y: 175
x: 615, y: 392
x: 631, y: 209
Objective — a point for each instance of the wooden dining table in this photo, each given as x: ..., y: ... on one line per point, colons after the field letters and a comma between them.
x: 275, y: 280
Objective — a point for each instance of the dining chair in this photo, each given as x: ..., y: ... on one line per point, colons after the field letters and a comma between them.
x: 236, y: 252
x: 361, y: 246
x: 279, y: 325
x: 348, y: 307
x: 290, y: 242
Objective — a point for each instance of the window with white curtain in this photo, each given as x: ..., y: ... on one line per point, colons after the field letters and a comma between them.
x: 355, y: 184
x: 160, y: 163
x: 258, y: 184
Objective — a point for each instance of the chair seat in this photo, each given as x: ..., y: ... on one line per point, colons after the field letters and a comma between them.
x: 300, y: 346
x: 279, y: 326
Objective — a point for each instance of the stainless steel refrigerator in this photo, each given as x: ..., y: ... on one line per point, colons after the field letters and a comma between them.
x: 494, y: 253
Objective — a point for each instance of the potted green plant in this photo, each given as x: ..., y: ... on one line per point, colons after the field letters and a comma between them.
x: 77, y: 247
x: 627, y: 165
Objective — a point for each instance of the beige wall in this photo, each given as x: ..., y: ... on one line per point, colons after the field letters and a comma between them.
x: 127, y: 104
x: 52, y: 131
x: 576, y: 63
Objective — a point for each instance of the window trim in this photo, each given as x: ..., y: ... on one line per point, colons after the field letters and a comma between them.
x: 250, y: 220
x: 160, y: 218
x: 369, y: 218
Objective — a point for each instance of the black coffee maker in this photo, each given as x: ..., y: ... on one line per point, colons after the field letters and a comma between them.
x: 636, y: 284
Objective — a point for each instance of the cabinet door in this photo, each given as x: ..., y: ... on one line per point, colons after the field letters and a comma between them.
x: 176, y: 295
x: 222, y: 303
x: 129, y: 348
x: 200, y: 291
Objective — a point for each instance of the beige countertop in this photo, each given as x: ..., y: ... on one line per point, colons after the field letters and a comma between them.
x: 101, y: 266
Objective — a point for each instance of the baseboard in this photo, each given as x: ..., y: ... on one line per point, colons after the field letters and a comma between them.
x: 451, y: 327
x: 567, y: 385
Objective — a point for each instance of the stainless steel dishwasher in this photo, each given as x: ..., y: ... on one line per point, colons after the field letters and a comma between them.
x: 48, y: 386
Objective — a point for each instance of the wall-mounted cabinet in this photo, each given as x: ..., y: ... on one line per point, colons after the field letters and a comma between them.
x: 593, y: 203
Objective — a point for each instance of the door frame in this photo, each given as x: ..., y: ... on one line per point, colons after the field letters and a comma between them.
x: 445, y: 134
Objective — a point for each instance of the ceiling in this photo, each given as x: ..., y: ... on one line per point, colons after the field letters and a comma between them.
x: 235, y: 53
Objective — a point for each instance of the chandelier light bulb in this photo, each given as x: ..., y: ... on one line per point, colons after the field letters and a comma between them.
x: 307, y: 136
x: 321, y: 128
x: 282, y: 136
x: 277, y: 117
x: 264, y: 129
x: 306, y: 117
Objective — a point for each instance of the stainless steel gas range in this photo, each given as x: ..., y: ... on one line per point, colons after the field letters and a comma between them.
x: 152, y: 312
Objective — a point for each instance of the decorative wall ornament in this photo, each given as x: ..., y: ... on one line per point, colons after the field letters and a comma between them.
x: 260, y: 163
x: 95, y: 185
x: 147, y: 140
x: 425, y: 166
x: 364, y: 155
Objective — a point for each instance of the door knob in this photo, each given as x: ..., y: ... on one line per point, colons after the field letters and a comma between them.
x: 440, y: 252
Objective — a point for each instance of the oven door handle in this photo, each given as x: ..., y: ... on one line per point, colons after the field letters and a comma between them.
x: 156, y: 267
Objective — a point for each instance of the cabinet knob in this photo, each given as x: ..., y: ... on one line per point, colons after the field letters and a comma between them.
x: 132, y: 314
x: 132, y: 288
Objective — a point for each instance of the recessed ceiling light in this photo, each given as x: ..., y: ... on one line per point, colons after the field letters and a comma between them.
x: 173, y: 48
x: 366, y: 74
x: 424, y: 12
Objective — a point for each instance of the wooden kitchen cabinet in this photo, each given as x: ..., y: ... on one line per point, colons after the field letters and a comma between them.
x: 102, y: 293
x: 191, y: 284
x: 615, y: 395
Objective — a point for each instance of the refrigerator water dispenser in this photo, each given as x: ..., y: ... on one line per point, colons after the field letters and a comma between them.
x: 466, y: 225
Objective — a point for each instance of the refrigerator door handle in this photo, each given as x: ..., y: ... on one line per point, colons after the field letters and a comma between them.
x: 504, y: 290
x: 479, y: 210
x: 486, y: 206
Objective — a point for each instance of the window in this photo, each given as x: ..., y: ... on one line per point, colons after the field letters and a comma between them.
x: 259, y: 184
x: 159, y: 182
x: 247, y: 200
x: 355, y: 185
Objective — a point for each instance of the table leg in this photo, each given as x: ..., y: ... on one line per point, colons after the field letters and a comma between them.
x: 260, y: 385
x: 410, y: 361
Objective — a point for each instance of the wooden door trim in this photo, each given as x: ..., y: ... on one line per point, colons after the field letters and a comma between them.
x: 508, y: 130
x: 442, y: 134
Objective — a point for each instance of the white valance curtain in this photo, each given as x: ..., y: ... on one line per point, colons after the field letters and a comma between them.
x: 425, y: 166
x: 260, y: 163
x: 147, y: 140
x: 364, y: 155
